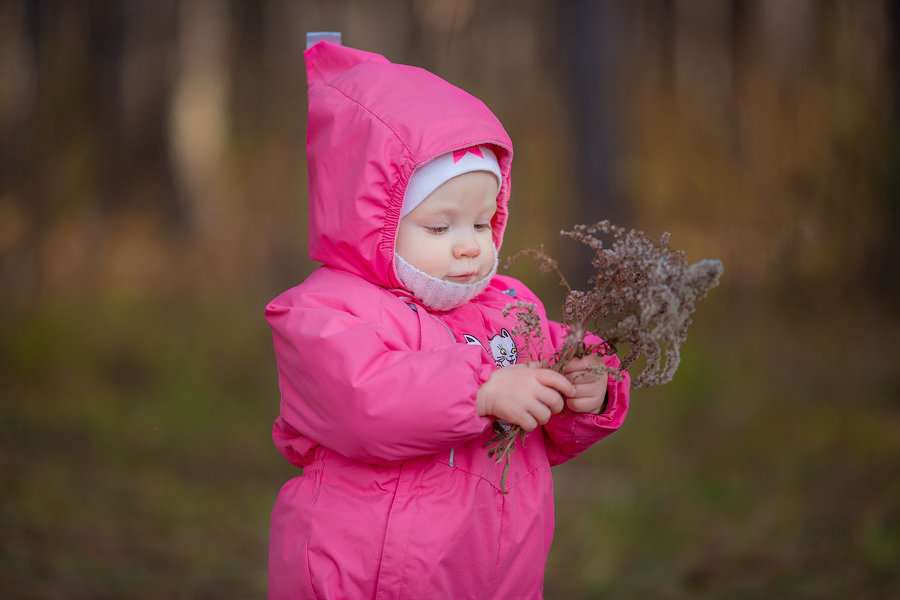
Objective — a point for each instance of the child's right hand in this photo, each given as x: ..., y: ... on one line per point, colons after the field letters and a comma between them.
x: 523, y: 395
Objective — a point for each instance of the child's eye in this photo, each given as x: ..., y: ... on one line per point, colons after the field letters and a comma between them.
x: 436, y: 229
x: 482, y: 226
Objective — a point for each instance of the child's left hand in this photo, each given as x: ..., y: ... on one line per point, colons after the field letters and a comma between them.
x: 590, y: 388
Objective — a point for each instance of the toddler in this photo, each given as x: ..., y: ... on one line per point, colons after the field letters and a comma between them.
x: 395, y: 361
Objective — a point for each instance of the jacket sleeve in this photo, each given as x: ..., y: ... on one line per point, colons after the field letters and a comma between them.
x: 351, y: 383
x: 569, y: 433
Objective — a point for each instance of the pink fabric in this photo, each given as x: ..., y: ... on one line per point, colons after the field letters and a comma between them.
x: 398, y: 498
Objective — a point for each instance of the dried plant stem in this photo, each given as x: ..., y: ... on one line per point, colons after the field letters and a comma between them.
x: 501, y: 447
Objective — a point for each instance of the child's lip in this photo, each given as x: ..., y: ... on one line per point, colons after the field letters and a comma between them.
x: 462, y: 277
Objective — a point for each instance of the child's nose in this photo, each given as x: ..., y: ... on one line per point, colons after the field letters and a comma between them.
x: 466, y: 247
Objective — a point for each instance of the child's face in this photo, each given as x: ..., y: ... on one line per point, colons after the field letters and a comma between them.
x: 449, y: 234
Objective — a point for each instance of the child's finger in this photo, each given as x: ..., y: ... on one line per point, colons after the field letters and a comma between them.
x: 526, y: 421
x: 551, y: 400
x: 583, y: 404
x: 555, y: 380
x: 541, y: 413
x: 590, y: 384
x: 583, y: 363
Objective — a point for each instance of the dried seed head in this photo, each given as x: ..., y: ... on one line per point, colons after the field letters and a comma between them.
x: 642, y: 295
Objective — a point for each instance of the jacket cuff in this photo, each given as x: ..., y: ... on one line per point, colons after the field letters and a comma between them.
x: 617, y: 396
x: 482, y: 374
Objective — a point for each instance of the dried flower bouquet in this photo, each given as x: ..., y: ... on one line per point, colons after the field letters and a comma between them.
x: 642, y: 295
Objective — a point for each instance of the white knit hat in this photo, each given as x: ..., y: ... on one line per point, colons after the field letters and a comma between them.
x: 431, y: 175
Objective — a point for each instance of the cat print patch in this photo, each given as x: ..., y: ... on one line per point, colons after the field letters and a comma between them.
x: 503, y: 348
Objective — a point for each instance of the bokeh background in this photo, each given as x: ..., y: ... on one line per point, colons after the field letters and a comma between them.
x: 153, y: 199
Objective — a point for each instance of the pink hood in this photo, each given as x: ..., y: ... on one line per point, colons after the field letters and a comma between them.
x: 369, y: 129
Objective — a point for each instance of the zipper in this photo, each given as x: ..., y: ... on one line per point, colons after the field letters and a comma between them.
x: 447, y: 327
x: 415, y: 308
x: 452, y: 337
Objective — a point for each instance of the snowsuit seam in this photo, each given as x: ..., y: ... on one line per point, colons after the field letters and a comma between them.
x: 470, y: 473
x: 379, y: 579
x: 524, y: 476
x: 319, y: 476
x: 412, y: 522
x: 499, y: 539
x: 369, y: 111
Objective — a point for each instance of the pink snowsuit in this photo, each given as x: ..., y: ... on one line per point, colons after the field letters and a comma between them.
x: 398, y: 497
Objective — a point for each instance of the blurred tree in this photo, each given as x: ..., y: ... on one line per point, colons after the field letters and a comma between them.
x: 885, y: 269
x: 129, y: 84
x: 248, y: 69
x: 119, y: 99
x: 738, y: 48
x: 199, y: 116
x: 592, y: 51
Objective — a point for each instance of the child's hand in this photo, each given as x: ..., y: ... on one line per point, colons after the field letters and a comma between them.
x: 590, y: 388
x: 523, y: 395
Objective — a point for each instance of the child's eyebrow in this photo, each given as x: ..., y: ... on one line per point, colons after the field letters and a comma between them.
x: 448, y: 211
x: 445, y: 213
x: 450, y: 214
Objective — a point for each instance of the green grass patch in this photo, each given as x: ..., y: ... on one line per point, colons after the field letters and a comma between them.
x: 137, y: 460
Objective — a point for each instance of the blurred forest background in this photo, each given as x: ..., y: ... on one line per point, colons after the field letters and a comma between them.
x: 153, y: 199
